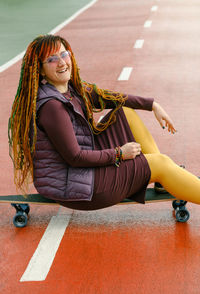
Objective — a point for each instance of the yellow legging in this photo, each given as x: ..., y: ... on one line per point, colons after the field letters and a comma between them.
x: 176, y: 180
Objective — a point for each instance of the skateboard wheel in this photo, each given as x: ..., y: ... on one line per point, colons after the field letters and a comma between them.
x: 20, y: 219
x: 182, y: 215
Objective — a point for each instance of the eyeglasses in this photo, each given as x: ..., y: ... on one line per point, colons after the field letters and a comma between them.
x: 55, y: 58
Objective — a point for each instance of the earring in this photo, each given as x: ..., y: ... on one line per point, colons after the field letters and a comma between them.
x: 43, y: 81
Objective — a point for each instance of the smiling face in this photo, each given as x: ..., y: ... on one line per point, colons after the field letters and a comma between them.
x: 56, y: 69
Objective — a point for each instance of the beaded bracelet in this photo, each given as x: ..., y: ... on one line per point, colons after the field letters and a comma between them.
x: 119, y: 156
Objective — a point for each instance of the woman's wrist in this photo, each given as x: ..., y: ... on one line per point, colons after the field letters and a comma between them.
x: 154, y: 105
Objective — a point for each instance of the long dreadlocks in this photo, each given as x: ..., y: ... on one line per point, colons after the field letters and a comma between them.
x: 23, y: 114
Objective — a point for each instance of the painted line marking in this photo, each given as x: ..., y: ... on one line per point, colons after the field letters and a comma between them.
x: 125, y: 74
x: 139, y: 43
x: 67, y: 21
x: 11, y: 61
x: 42, y: 259
x: 154, y: 8
x: 55, y: 30
x: 147, y: 24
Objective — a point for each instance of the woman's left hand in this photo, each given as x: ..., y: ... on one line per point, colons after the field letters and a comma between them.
x: 163, y: 118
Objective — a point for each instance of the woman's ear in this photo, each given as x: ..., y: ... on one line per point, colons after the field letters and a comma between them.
x: 42, y: 74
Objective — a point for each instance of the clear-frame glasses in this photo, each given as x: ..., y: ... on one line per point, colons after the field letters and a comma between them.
x: 54, y: 59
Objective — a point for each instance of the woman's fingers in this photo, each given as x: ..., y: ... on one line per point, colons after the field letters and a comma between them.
x: 131, y: 150
x: 169, y: 125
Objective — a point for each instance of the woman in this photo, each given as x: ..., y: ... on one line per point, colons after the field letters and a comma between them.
x: 74, y: 160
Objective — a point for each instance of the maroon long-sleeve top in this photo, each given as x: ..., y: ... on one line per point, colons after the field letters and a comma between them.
x: 111, y: 184
x: 54, y: 119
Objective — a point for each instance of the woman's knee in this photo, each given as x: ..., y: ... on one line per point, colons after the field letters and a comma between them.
x: 159, y: 165
x: 158, y: 159
x: 164, y: 159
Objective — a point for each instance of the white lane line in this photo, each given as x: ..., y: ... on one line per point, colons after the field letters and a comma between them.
x: 125, y: 74
x: 11, y: 61
x: 139, y: 43
x: 67, y: 21
x: 55, y: 30
x: 43, y: 257
x: 147, y: 24
x: 154, y: 8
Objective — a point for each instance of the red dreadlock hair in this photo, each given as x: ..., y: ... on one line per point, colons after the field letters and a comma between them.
x: 24, y: 106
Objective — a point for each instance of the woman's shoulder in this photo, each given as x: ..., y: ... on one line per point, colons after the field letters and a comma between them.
x: 49, y: 94
x: 47, y: 90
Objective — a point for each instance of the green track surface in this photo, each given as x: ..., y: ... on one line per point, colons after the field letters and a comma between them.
x: 23, y: 20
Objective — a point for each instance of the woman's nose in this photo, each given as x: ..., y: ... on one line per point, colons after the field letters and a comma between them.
x: 61, y: 61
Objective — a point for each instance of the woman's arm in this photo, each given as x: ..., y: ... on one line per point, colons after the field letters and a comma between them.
x: 163, y: 118
x: 56, y: 122
x: 135, y: 102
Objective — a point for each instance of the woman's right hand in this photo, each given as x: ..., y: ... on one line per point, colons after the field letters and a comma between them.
x: 130, y: 150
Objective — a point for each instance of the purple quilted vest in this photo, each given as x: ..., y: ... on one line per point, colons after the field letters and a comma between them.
x: 53, y: 177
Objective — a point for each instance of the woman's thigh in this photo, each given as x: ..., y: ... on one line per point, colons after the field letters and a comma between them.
x: 140, y: 131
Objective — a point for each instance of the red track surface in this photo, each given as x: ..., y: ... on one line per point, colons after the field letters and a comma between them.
x: 124, y: 249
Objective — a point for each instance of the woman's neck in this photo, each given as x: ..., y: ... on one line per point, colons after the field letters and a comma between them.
x: 62, y: 88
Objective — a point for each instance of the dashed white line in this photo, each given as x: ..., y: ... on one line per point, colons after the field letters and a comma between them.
x: 125, y: 74
x: 139, y: 43
x: 154, y: 8
x: 43, y: 257
x: 147, y: 24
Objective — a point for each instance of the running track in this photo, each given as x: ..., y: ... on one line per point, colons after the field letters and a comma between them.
x: 123, y: 249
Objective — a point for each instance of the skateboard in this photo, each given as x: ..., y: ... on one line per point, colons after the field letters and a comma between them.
x: 21, y: 205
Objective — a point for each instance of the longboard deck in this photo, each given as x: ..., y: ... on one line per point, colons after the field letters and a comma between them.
x: 151, y: 196
x: 21, y: 204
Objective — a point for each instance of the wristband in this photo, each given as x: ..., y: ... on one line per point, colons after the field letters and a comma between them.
x: 119, y: 156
